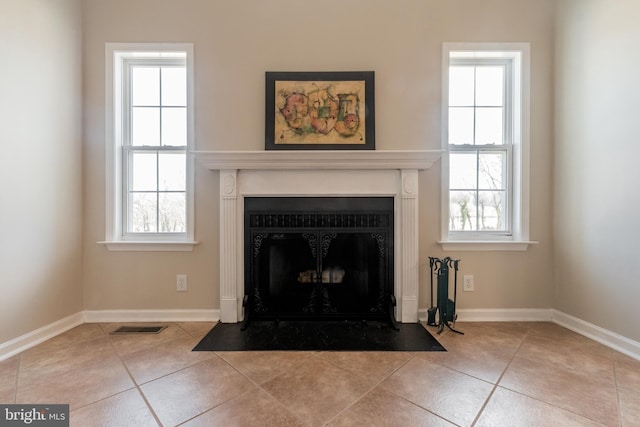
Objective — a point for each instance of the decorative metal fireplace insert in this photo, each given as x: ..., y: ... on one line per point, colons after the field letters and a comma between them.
x: 318, y: 258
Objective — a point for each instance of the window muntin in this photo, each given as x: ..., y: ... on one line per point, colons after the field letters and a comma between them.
x: 149, y: 133
x: 480, y: 142
x: 154, y: 145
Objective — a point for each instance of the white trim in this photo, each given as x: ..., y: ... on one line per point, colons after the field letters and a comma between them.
x: 114, y: 236
x: 521, y: 146
x: 605, y: 337
x: 612, y: 340
x: 101, y: 316
x: 134, y: 246
x: 498, y: 315
x: 40, y: 335
x: 484, y: 245
x: 318, y: 159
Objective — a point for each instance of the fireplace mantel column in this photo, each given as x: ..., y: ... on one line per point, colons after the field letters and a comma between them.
x: 229, y: 246
x: 408, y: 307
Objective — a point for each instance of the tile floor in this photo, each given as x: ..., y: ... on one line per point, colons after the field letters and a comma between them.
x: 497, y: 374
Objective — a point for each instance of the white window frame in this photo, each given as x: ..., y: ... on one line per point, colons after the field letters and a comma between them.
x: 116, y: 237
x: 517, y: 238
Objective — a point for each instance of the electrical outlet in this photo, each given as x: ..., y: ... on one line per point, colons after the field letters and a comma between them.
x: 181, y: 283
x: 468, y: 282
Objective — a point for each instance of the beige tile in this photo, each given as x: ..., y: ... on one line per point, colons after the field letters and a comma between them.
x: 627, y: 373
x: 589, y: 397
x: 503, y: 335
x: 507, y: 408
x: 568, y: 338
x: 88, y: 383
x: 574, y: 356
x: 48, y: 360
x: 190, y: 392
x: 450, y: 394
x: 124, y: 409
x: 381, y: 408
x: 485, y: 362
x: 196, y: 329
x: 8, y: 379
x: 79, y: 334
x: 130, y: 343
x: 316, y: 391
x: 252, y: 408
x: 163, y: 359
x: 370, y: 366
x: 262, y: 366
x: 629, y: 407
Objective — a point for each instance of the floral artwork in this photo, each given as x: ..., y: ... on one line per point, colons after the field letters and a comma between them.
x: 320, y: 112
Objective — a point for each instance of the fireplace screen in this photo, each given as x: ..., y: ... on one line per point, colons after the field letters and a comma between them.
x: 318, y: 257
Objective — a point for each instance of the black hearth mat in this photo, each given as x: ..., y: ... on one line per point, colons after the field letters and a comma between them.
x: 318, y: 336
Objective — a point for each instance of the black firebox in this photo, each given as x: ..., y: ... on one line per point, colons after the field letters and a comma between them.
x: 318, y: 258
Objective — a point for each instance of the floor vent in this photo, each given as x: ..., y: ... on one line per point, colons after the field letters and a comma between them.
x: 138, y: 330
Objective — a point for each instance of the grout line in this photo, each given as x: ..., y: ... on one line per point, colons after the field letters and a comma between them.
x: 17, y: 379
x: 615, y: 381
x: 135, y: 383
x: 370, y: 389
x: 258, y: 386
x: 496, y: 385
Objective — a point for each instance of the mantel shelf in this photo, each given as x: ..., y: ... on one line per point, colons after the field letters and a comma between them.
x: 318, y: 159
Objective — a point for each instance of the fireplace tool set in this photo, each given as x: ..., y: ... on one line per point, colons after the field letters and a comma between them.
x: 446, y: 307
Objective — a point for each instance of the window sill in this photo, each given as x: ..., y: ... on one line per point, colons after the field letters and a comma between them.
x: 149, y: 246
x: 485, y: 245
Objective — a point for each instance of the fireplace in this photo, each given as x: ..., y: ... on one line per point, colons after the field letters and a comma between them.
x: 318, y: 258
x: 318, y: 173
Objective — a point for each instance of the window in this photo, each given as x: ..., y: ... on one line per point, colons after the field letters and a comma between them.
x: 149, y: 133
x: 485, y: 169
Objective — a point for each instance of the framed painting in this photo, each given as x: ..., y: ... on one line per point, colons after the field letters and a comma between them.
x: 320, y: 111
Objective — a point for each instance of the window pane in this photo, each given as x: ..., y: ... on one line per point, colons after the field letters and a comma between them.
x: 461, y: 86
x: 462, y: 210
x: 491, y: 208
x: 143, y: 212
x: 145, y: 86
x: 174, y: 86
x: 489, y: 86
x: 172, y: 212
x: 174, y: 126
x: 145, y: 126
x: 172, y: 171
x: 488, y: 126
x: 492, y: 170
x: 462, y: 170
x: 144, y: 177
x: 461, y: 126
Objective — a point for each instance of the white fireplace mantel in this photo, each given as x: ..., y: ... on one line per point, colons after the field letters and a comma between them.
x: 319, y: 159
x: 334, y: 173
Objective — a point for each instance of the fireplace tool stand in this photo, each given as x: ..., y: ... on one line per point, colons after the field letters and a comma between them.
x: 446, y: 307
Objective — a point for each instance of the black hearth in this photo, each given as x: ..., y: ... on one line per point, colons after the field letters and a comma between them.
x: 318, y: 258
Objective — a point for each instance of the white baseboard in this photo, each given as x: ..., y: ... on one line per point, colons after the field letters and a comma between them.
x: 40, y: 335
x: 33, y: 338
x: 615, y: 341
x: 612, y: 340
x: 498, y: 315
x: 102, y: 316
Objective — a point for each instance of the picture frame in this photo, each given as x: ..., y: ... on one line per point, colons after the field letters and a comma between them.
x: 319, y: 110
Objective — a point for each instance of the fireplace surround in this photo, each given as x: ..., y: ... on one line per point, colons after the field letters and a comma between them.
x: 377, y: 173
x: 318, y: 258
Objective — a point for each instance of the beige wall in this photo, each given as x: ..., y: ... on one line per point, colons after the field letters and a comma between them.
x: 40, y: 165
x: 236, y: 42
x: 597, y: 195
x: 43, y: 230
